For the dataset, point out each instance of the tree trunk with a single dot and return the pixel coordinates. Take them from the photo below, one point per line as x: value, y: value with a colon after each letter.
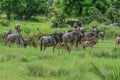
x: 8, y: 16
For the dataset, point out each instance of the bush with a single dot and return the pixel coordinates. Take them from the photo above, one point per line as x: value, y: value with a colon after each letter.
x: 37, y: 70
x: 63, y: 25
x: 101, y: 54
x: 4, y: 22
x: 113, y: 14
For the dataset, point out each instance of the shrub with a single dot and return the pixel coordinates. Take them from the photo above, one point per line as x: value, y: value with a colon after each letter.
x: 101, y: 54
x: 114, y: 75
x: 4, y: 22
x: 12, y: 57
x: 63, y: 25
x: 36, y: 70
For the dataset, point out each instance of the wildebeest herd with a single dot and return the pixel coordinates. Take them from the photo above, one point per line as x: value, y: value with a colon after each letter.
x: 67, y: 40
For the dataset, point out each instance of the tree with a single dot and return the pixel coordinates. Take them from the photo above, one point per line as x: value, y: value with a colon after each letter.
x: 81, y: 7
x: 113, y: 13
x: 116, y: 4
x: 23, y: 8
x: 103, y: 5
x: 6, y: 6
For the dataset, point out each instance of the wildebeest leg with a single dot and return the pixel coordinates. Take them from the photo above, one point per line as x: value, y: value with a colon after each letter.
x: 45, y: 47
x: 41, y: 47
x: 68, y: 49
x: 31, y: 43
x: 9, y: 43
x: 75, y: 43
x: 18, y: 44
x: 6, y: 43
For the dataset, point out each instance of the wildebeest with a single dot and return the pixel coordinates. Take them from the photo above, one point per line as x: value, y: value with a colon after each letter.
x: 50, y: 40
x: 15, y: 38
x: 89, y: 43
x: 30, y: 42
x: 72, y: 37
x: 6, y: 33
x: 117, y: 40
x: 65, y: 46
x: 93, y: 32
x: 17, y: 27
x: 47, y: 41
x: 88, y: 38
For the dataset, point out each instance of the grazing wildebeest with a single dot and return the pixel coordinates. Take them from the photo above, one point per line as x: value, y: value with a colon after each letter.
x: 65, y: 46
x: 117, y: 41
x: 93, y: 32
x: 30, y: 42
x: 102, y: 35
x: 17, y: 27
x: 6, y: 33
x: 89, y: 43
x: 15, y: 38
x: 47, y: 41
x: 50, y: 40
x: 72, y: 37
x: 88, y: 38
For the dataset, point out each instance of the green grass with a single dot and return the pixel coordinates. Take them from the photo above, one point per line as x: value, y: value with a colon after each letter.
x: 33, y: 64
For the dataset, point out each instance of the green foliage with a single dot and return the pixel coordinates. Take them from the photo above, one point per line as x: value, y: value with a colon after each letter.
x: 24, y: 9
x: 116, y: 52
x: 114, y: 75
x: 4, y: 22
x: 97, y: 71
x: 33, y: 64
x: 81, y: 7
x: 113, y: 14
x: 90, y: 10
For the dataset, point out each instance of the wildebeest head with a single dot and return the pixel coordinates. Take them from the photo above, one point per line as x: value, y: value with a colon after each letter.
x: 17, y: 27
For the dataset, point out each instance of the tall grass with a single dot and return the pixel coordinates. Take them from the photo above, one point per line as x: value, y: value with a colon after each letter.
x: 114, y: 75
x: 33, y: 64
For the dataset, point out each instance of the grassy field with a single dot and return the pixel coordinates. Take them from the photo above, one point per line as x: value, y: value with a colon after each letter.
x: 102, y: 62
